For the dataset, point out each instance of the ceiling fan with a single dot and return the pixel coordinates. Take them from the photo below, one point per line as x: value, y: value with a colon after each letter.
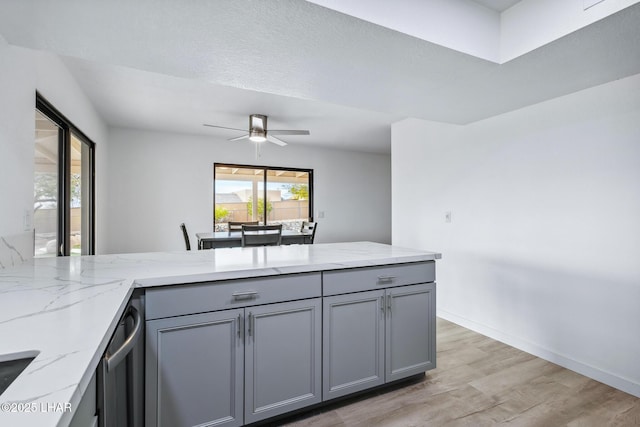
x: 258, y: 131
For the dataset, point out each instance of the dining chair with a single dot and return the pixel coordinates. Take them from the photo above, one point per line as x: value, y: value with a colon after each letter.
x: 186, y: 236
x: 261, y: 235
x: 237, y: 225
x: 309, y: 227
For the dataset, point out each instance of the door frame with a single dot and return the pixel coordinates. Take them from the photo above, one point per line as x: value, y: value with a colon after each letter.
x: 63, y: 247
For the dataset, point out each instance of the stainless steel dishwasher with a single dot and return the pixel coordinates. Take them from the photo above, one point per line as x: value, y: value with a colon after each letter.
x: 121, y: 371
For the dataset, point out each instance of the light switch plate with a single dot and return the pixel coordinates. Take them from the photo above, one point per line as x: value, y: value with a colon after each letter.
x: 26, y: 220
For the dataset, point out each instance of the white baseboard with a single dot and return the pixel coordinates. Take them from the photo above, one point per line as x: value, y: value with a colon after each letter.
x: 543, y: 353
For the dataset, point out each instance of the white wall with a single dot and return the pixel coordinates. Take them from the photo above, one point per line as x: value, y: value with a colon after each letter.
x: 543, y: 247
x: 530, y: 24
x: 158, y: 180
x: 463, y: 25
x: 24, y: 71
x: 17, y: 118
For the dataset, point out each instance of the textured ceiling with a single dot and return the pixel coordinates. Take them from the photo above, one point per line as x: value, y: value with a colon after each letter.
x: 333, y: 70
x: 139, y: 99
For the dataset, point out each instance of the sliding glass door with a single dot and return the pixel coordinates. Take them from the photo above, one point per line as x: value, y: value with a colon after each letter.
x: 45, y: 186
x: 80, y: 197
x: 63, y: 186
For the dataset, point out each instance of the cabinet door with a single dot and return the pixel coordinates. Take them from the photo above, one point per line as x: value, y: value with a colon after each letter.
x: 410, y: 330
x: 282, y: 358
x: 353, y: 343
x: 194, y: 370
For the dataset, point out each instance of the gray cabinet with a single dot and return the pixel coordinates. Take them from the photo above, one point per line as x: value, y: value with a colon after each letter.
x: 410, y: 331
x: 353, y: 329
x: 231, y: 367
x: 374, y: 337
x: 378, y: 277
x: 236, y: 352
x: 282, y: 358
x: 194, y: 370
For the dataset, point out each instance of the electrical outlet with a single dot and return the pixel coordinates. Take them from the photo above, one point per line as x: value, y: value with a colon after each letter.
x: 447, y: 216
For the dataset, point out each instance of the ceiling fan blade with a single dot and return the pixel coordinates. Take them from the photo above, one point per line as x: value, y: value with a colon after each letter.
x: 276, y: 140
x: 224, y: 127
x: 239, y: 138
x: 288, y: 132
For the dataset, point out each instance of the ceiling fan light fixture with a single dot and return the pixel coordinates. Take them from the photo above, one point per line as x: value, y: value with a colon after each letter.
x: 257, y: 136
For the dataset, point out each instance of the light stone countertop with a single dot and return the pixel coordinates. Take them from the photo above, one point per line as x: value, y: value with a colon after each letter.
x: 66, y: 309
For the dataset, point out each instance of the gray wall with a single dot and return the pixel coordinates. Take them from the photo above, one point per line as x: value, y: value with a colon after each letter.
x: 158, y: 180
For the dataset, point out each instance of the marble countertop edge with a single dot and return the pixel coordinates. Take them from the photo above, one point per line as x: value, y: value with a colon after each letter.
x: 270, y: 271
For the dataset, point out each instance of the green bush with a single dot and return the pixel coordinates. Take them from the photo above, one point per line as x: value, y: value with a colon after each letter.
x: 221, y: 214
x: 260, y: 208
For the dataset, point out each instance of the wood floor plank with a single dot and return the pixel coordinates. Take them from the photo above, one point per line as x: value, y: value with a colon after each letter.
x: 482, y: 382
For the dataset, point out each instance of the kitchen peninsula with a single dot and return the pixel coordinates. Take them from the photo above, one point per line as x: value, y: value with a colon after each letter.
x: 64, y: 311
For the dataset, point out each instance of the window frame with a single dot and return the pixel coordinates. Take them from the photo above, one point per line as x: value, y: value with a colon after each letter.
x: 265, y: 169
x: 67, y: 129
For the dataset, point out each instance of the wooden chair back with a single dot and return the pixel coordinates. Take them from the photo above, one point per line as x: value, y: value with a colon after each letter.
x: 237, y: 225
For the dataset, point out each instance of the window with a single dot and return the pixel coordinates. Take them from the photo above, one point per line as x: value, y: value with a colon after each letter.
x: 240, y: 193
x: 63, y: 186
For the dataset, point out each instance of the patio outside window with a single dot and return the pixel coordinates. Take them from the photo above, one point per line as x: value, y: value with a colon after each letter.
x: 240, y: 193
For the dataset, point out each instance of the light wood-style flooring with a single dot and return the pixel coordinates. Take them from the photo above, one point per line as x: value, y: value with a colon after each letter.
x: 482, y: 382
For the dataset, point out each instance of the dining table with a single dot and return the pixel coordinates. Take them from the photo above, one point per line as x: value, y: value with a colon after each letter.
x: 231, y: 239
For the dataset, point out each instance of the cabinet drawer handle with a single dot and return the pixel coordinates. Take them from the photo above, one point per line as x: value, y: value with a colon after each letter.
x: 244, y: 295
x: 386, y: 278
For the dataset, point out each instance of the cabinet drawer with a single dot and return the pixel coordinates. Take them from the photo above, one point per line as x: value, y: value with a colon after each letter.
x: 210, y: 296
x: 367, y: 278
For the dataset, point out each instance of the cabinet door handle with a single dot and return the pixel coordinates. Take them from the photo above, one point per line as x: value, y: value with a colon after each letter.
x: 386, y: 279
x: 382, y: 303
x: 244, y: 295
x: 389, y: 303
x: 250, y: 323
x: 240, y: 325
